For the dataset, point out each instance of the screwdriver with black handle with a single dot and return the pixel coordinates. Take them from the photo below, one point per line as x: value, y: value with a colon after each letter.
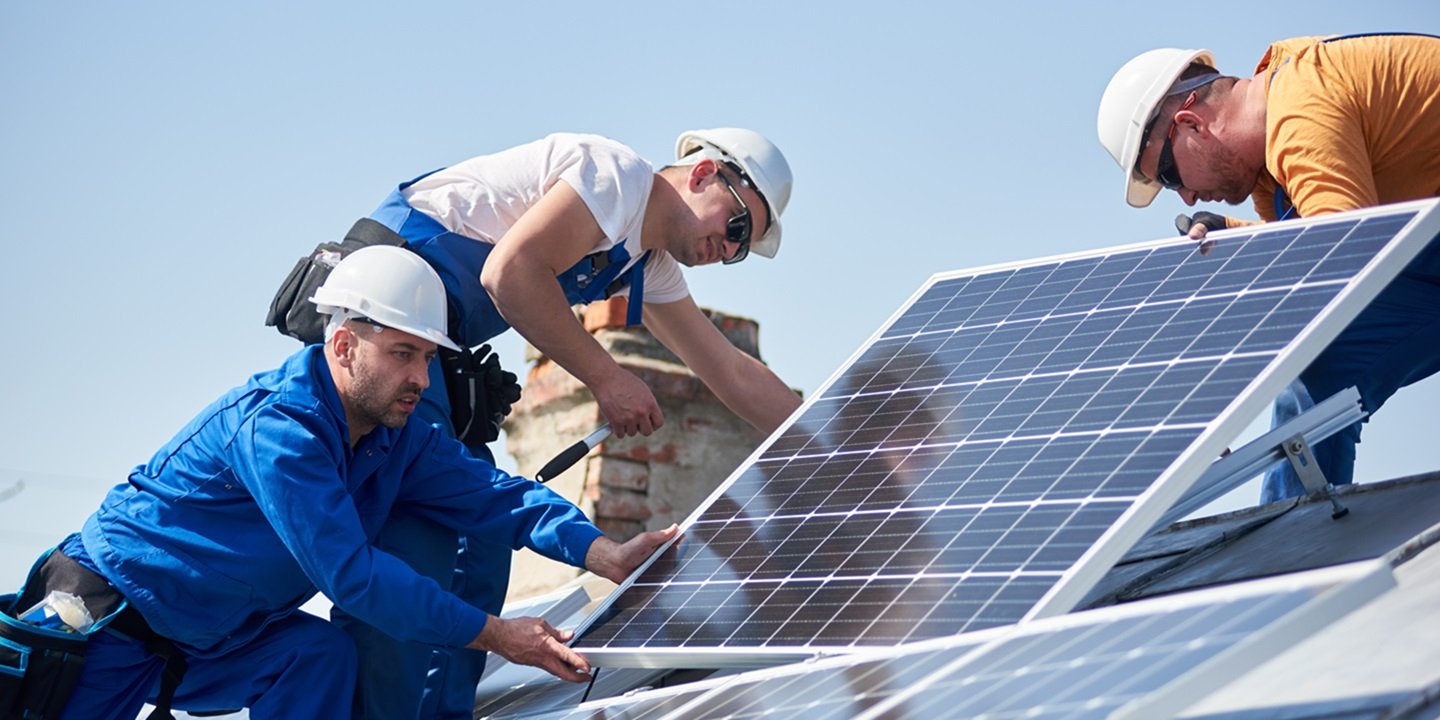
x: 571, y: 455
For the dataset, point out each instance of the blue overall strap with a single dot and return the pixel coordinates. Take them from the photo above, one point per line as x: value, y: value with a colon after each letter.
x: 615, y: 276
x: 1380, y: 34
x: 635, y: 310
x: 1283, y: 207
x: 606, y: 281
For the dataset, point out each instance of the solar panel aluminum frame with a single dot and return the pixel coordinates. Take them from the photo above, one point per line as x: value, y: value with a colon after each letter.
x: 1340, y: 591
x: 1337, y: 591
x: 625, y: 706
x: 1171, y: 485
x: 708, y: 687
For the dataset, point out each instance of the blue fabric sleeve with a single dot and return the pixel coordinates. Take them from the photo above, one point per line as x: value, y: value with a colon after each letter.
x: 290, y: 460
x: 450, y: 486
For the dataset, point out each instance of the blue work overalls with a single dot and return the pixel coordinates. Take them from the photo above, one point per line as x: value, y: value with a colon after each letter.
x: 398, y: 679
x: 254, y: 505
x: 1395, y: 341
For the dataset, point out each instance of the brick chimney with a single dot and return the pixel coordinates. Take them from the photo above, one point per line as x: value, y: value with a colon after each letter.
x: 638, y: 483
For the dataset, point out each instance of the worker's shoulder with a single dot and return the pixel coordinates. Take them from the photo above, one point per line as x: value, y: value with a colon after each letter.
x: 299, y: 386
x: 1345, y: 49
x: 1282, y: 51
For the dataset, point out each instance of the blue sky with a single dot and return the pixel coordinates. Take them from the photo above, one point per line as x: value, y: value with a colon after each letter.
x: 162, y: 164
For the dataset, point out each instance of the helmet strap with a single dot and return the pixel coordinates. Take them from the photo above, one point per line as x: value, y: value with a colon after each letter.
x: 1185, y: 86
x: 339, y: 317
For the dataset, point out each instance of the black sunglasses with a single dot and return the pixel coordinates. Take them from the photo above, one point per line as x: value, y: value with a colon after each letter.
x: 740, y: 226
x: 1166, y: 173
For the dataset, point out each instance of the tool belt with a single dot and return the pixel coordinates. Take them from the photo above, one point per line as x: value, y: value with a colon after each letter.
x: 291, y: 311
x: 40, y: 667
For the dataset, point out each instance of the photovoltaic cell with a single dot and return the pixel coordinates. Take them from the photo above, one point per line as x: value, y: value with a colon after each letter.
x: 1148, y: 659
x: 975, y: 451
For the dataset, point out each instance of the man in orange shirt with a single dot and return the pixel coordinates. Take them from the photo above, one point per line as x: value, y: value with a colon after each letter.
x: 1324, y: 125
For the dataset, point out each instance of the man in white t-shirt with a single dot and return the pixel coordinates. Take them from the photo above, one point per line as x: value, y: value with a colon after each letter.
x: 521, y: 235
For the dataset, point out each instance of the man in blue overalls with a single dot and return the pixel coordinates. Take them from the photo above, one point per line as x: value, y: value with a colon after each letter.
x: 519, y: 237
x: 1323, y: 125
x: 278, y: 489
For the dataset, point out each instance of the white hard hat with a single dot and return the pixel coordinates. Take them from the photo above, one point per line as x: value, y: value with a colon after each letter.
x: 1130, y: 101
x: 763, y: 164
x: 391, y: 286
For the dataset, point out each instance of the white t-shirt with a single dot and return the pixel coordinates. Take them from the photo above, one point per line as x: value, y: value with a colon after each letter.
x: 481, y: 198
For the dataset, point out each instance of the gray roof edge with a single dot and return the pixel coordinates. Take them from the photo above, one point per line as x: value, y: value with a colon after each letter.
x: 1187, y: 544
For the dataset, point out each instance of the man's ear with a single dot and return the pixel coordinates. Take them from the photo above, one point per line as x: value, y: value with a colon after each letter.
x: 345, y: 345
x: 700, y: 172
x: 1188, y: 119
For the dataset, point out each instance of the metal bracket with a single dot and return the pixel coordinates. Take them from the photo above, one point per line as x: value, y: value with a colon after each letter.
x: 1303, y: 461
x: 1328, y: 417
x: 1297, y: 451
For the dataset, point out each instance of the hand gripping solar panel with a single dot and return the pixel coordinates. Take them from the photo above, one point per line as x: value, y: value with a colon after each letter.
x: 1000, y: 443
x: 1146, y: 659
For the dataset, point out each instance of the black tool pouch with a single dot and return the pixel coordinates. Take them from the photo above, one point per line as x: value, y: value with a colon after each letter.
x: 470, y: 412
x: 291, y: 311
x: 39, y: 667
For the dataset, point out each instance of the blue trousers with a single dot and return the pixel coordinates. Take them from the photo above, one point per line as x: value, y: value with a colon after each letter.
x: 402, y: 680
x: 300, y: 667
x: 1392, y: 343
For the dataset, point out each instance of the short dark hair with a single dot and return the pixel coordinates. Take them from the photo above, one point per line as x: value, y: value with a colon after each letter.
x: 1199, y: 69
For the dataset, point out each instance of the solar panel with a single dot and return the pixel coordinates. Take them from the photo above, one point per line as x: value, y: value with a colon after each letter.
x: 829, y: 690
x: 999, y: 444
x: 1146, y: 659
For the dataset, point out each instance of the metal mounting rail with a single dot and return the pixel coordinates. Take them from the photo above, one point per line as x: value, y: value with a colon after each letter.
x: 1328, y: 417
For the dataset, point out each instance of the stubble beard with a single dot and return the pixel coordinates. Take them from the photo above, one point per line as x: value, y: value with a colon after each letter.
x: 1237, y: 177
x: 370, y: 400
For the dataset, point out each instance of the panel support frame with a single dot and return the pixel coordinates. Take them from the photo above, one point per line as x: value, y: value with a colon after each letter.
x: 1326, y: 418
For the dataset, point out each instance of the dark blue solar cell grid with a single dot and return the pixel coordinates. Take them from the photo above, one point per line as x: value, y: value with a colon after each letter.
x: 976, y: 449
x: 760, y: 614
